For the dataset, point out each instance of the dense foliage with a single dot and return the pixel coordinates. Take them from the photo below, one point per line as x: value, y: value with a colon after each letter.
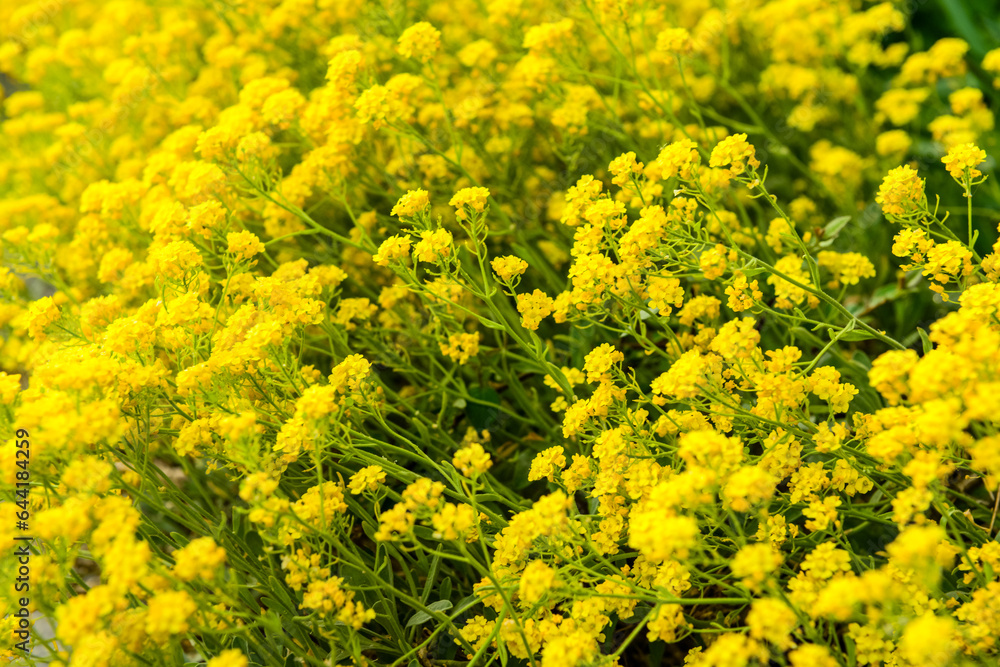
x: 499, y: 332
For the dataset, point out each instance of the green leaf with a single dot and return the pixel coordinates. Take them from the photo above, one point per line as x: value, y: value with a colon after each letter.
x: 369, y: 530
x: 965, y: 24
x: 884, y: 294
x: 862, y: 361
x: 539, y: 346
x: 221, y: 528
x: 928, y: 345
x: 483, y: 416
x: 490, y: 324
x: 468, y: 601
x: 385, y: 615
x: 431, y: 576
x: 753, y: 271
x: 656, y: 651
x: 444, y: 589
x: 522, y: 466
x: 423, y: 617
x: 278, y: 589
x: 807, y: 336
x: 424, y: 532
x: 855, y: 335
x: 834, y: 227
x: 254, y: 544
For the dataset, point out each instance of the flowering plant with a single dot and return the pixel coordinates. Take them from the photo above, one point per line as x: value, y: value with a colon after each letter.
x: 449, y: 333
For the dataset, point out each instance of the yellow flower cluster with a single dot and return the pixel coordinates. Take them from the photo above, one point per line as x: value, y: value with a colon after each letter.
x: 337, y: 332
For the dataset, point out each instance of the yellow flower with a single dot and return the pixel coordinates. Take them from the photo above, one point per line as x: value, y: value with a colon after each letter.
x: 472, y: 460
x: 658, y: 536
x: 476, y: 631
x: 10, y: 385
x: 244, y: 245
x: 713, y: 262
x: 393, y: 249
x: 812, y: 655
x: 772, y: 620
x: 413, y: 202
x: 455, y: 522
x: 468, y: 200
x: 420, y: 41
x: 378, y: 106
x: 748, y: 486
x: 674, y: 40
x: 677, y: 159
x: 254, y: 145
x: 570, y: 649
x: 113, y: 263
x: 848, y: 268
x: 229, y: 658
x: 547, y: 463
x: 664, y: 294
x: 433, y: 246
x: 536, y: 580
x: 734, y: 150
x: 329, y: 598
x: 736, y: 339
x: 461, y: 347
x: 930, y: 640
x: 991, y: 63
x: 893, y: 143
x: 175, y: 259
x: 961, y: 162
x: 624, y: 168
x: 203, y: 218
x: 742, y: 293
x: 508, y: 267
x: 666, y: 620
x: 901, y: 106
x: 200, y: 559
x: 754, y: 563
x: 534, y: 308
x: 351, y: 310
x: 822, y: 513
x: 41, y: 313
x: 366, y: 479
x: 547, y: 35
x: 342, y: 70
x: 600, y: 361
x: 169, y: 614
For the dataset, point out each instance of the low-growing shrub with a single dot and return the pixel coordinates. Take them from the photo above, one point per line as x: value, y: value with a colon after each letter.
x: 451, y: 333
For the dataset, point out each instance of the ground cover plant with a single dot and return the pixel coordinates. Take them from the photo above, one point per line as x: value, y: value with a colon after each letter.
x: 505, y: 332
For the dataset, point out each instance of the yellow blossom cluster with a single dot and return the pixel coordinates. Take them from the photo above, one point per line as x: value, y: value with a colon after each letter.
x: 556, y: 334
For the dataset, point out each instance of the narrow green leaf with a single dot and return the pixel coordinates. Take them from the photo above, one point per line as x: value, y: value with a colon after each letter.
x: 444, y: 590
x: 856, y: 335
x: 278, y: 588
x: 431, y: 576
x: 928, y: 345
x: 479, y: 415
x: 423, y: 617
x: 834, y: 227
